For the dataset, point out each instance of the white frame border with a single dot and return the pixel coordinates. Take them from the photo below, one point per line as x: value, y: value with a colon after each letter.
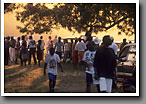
x: 70, y: 94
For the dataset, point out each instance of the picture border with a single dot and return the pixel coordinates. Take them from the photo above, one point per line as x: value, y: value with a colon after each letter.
x: 70, y: 94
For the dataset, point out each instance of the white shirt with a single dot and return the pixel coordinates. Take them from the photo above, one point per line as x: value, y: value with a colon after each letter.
x: 48, y: 43
x: 89, y: 58
x: 114, y: 47
x: 31, y: 43
x: 52, y: 63
x: 80, y: 46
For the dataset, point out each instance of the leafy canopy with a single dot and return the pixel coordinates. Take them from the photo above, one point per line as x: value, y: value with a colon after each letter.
x: 78, y: 17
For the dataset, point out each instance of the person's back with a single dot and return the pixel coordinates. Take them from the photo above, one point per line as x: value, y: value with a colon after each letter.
x: 80, y: 46
x: 123, y: 44
x: 105, y: 64
x: 12, y: 43
x: 59, y: 46
x: 114, y: 47
x: 31, y: 43
x: 105, y: 61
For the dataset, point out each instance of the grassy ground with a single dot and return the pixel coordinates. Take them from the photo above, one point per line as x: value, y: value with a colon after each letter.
x: 30, y: 79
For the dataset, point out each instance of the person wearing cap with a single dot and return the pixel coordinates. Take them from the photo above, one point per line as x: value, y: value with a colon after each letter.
x: 97, y: 42
x: 104, y: 65
x: 12, y: 49
x: 114, y: 46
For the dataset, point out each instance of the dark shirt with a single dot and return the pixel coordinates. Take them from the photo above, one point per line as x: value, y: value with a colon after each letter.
x: 12, y: 43
x: 105, y: 62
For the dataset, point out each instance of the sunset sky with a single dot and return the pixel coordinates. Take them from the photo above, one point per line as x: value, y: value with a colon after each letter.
x: 10, y: 24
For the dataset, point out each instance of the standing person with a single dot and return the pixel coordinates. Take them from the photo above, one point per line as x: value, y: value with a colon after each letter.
x: 42, y: 45
x: 32, y: 49
x: 6, y: 50
x: 24, y: 54
x: 12, y: 49
x: 66, y: 50
x: 48, y: 43
x: 87, y: 61
x: 51, y: 61
x: 59, y: 46
x: 22, y: 43
x: 74, y: 54
x: 39, y: 52
x: 51, y: 44
x: 123, y: 44
x: 114, y: 46
x: 17, y: 49
x: 80, y: 47
x: 70, y: 53
x: 104, y: 65
x: 54, y: 41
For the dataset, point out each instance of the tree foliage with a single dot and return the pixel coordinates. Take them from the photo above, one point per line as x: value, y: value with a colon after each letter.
x: 80, y: 17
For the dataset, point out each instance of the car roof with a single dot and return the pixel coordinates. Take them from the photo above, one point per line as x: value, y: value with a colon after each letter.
x: 130, y: 44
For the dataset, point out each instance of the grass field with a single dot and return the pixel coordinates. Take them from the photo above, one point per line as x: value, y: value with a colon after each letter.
x: 30, y: 79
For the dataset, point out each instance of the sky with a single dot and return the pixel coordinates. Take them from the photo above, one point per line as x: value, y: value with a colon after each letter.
x: 10, y: 29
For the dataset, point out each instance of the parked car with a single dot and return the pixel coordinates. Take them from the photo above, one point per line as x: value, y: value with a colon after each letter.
x: 126, y: 68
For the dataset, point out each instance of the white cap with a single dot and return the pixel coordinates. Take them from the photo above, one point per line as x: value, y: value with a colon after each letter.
x: 97, y: 41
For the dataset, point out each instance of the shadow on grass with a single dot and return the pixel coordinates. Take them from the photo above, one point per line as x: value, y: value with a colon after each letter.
x: 37, y: 85
x: 15, y: 76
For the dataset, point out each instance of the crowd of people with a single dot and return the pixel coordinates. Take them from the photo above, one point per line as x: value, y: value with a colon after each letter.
x: 98, y: 58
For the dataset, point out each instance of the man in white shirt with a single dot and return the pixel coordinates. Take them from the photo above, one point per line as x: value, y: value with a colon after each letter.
x: 51, y: 61
x: 48, y: 43
x: 113, y: 46
x: 80, y: 47
x: 32, y: 49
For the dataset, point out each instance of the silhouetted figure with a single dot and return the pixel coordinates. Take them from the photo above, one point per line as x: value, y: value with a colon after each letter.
x: 17, y: 50
x: 39, y: 52
x: 6, y: 50
x: 22, y: 43
x: 24, y: 54
x: 123, y: 44
x: 12, y: 50
x: 104, y: 64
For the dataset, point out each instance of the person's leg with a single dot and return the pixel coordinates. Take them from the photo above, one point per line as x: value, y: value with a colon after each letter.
x: 10, y: 54
x: 89, y: 82
x: 39, y: 62
x: 33, y: 53
x: 50, y: 85
x: 65, y: 56
x: 102, y: 84
x: 29, y: 56
x: 14, y: 54
x: 109, y: 83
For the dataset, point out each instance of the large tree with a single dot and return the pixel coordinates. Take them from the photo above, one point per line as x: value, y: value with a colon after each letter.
x: 78, y: 17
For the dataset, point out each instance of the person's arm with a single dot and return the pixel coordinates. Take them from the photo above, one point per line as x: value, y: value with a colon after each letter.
x: 45, y: 66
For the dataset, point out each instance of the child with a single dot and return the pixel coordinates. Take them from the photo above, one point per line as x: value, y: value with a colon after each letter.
x: 39, y: 52
x: 24, y: 54
x: 52, y: 59
x: 87, y: 61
